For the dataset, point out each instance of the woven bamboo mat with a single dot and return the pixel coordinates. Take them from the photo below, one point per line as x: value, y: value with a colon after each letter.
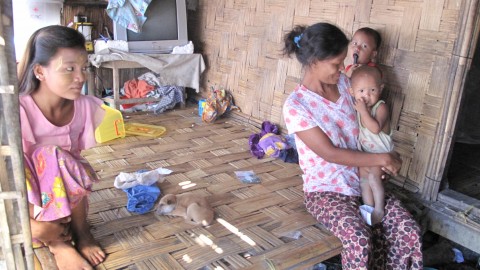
x: 257, y: 226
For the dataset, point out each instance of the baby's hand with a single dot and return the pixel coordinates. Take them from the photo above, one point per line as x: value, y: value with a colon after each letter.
x: 351, y: 69
x: 51, y: 231
x: 360, y: 105
x: 355, y: 66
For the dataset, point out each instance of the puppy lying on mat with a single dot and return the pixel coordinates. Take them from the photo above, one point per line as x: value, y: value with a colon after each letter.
x: 193, y: 207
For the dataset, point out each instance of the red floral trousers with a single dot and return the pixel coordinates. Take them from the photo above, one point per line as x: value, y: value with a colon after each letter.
x: 392, y: 244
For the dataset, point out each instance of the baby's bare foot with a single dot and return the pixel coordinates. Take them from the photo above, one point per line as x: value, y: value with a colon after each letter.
x: 67, y: 257
x: 89, y: 249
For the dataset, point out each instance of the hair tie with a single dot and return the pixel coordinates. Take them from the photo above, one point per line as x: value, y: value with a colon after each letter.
x: 297, y: 40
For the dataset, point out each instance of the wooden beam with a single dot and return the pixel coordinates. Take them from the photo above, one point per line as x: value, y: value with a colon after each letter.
x: 454, y: 225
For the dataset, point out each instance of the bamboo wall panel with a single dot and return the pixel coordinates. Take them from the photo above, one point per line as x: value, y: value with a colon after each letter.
x: 241, y: 41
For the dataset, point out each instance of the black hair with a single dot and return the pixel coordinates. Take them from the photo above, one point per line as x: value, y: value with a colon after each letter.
x: 372, y: 33
x: 41, y: 47
x: 319, y: 41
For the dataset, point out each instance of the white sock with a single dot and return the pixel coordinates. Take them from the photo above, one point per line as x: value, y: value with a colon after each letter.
x: 366, y: 212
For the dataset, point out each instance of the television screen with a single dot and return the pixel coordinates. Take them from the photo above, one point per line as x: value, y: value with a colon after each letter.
x: 161, y: 23
x: 165, y: 28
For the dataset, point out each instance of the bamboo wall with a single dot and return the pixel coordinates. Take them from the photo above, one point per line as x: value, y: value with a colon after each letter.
x: 241, y: 41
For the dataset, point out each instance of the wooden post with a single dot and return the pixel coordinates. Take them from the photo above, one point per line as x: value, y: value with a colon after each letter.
x: 17, y: 234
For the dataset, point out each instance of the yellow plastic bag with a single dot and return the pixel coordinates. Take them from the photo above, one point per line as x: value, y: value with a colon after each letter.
x: 218, y: 103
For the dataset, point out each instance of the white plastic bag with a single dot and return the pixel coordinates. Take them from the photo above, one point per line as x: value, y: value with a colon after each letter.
x: 128, y: 180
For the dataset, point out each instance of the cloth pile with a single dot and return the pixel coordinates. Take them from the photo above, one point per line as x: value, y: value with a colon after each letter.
x: 269, y: 143
x: 142, y: 198
x: 148, y: 85
x: 141, y: 188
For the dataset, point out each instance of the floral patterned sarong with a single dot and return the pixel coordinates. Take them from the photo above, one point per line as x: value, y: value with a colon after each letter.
x: 56, y: 182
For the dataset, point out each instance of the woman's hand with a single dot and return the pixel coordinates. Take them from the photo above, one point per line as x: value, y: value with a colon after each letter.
x: 394, y: 163
x: 51, y: 231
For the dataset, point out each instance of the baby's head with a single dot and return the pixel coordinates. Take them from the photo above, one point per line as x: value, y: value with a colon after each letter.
x: 367, y: 84
x: 365, y: 43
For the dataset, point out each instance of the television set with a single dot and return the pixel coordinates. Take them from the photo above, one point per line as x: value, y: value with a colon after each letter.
x: 165, y: 28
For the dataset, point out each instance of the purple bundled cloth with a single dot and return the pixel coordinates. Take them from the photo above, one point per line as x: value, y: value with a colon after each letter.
x: 255, y: 149
x: 254, y: 139
x: 268, y: 142
x: 268, y: 127
x: 272, y: 144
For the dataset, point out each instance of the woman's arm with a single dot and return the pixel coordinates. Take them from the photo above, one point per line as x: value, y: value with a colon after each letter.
x: 319, y: 143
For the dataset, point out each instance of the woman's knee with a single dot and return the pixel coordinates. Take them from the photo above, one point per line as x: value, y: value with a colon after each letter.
x: 355, y: 231
x: 412, y: 232
x: 401, y: 227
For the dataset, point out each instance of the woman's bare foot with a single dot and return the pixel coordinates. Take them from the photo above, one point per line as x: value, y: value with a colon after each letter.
x: 377, y: 216
x: 88, y: 247
x: 82, y: 236
x: 67, y: 257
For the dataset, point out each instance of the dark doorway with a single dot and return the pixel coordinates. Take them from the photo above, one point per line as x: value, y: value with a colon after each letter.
x: 463, y: 174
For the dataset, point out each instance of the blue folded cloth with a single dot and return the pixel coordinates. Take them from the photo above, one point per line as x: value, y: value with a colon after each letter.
x: 142, y: 198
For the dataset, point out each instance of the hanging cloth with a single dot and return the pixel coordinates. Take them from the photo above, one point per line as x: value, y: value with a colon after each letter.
x: 128, y: 13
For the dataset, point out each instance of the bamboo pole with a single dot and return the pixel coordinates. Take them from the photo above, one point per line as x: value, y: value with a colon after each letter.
x: 7, y: 247
x: 10, y: 105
